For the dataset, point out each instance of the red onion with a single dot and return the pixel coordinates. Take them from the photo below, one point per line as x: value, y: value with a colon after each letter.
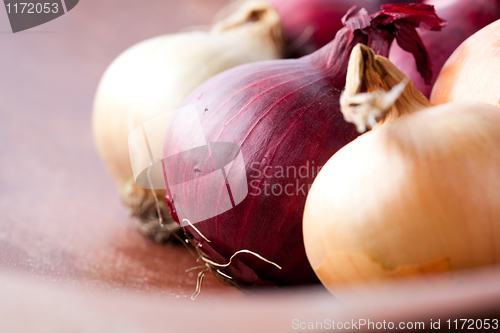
x: 464, y: 17
x: 311, y: 24
x: 259, y: 120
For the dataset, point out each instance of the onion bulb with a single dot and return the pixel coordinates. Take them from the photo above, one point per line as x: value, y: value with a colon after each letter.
x: 279, y: 121
x: 418, y: 194
x: 154, y: 76
x: 472, y: 73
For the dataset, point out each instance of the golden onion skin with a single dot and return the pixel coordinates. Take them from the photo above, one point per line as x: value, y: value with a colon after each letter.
x: 472, y: 72
x: 418, y: 194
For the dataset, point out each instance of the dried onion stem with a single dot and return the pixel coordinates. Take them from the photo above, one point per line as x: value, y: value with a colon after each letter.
x: 390, y: 93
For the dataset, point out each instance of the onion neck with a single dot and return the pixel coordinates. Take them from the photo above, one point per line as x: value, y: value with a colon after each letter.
x: 257, y: 17
x: 333, y: 58
x: 389, y: 92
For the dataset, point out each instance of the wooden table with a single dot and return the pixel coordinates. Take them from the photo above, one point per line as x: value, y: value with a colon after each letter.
x: 71, y: 260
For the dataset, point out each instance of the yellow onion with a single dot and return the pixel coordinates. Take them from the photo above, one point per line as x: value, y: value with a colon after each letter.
x: 472, y: 72
x: 154, y: 76
x: 418, y: 194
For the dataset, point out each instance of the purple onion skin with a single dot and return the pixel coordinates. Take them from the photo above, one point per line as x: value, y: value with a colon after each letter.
x: 281, y: 113
x: 464, y: 18
x: 309, y: 25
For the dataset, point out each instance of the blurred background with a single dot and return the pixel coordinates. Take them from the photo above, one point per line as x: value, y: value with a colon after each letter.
x: 61, y: 216
x: 71, y: 258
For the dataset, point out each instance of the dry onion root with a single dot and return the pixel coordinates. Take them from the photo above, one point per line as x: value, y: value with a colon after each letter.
x: 208, y: 265
x: 420, y: 193
x: 154, y: 76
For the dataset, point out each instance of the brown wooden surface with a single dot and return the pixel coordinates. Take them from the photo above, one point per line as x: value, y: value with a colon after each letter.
x: 60, y: 213
x: 71, y: 259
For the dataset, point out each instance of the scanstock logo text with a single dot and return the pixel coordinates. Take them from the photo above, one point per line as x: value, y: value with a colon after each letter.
x: 28, y: 14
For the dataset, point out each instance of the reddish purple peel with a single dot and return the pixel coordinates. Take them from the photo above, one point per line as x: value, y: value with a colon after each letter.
x: 406, y: 19
x: 463, y: 18
x: 281, y: 114
x: 309, y: 25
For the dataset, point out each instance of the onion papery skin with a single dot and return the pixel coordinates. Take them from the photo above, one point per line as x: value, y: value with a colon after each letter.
x: 472, y: 71
x: 463, y: 18
x: 154, y: 76
x: 419, y: 194
x: 309, y: 25
x: 282, y: 113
